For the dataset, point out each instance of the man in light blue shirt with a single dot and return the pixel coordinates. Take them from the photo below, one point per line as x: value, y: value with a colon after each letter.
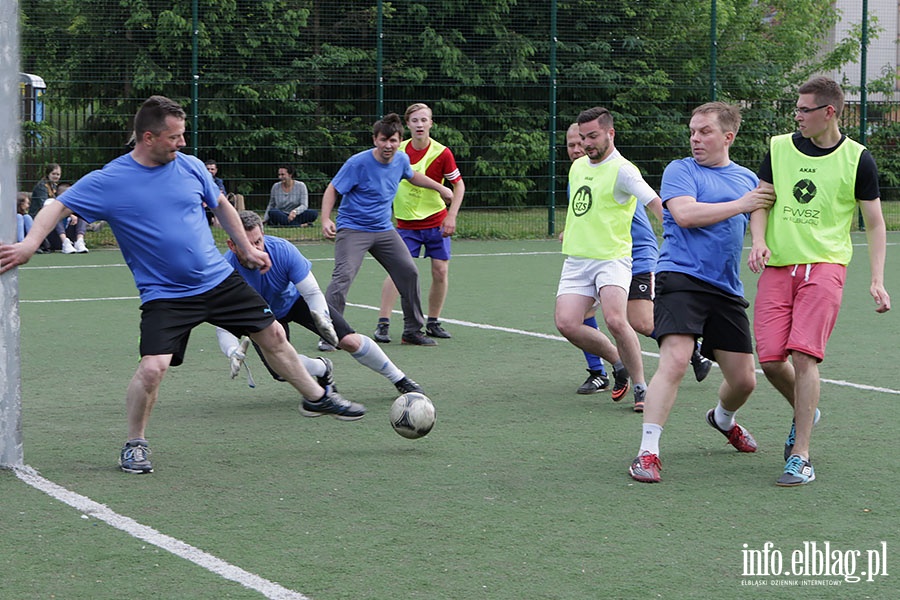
x: 368, y: 182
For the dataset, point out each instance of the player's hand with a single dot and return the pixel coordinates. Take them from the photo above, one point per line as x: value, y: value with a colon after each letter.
x: 13, y: 255
x: 446, y: 194
x: 882, y: 299
x: 763, y: 196
x: 256, y: 259
x: 759, y: 257
x: 448, y: 227
x: 329, y: 230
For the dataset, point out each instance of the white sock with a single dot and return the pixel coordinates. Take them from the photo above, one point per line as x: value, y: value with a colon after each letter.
x: 371, y: 355
x: 724, y: 418
x: 314, y: 366
x: 650, y: 438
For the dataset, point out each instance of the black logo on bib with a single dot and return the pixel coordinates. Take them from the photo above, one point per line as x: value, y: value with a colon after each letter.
x: 581, y: 201
x: 804, y: 191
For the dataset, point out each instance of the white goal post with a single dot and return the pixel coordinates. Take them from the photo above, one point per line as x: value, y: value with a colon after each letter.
x: 11, y: 445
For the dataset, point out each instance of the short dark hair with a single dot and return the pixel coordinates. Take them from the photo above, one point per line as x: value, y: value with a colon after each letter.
x: 388, y: 126
x: 826, y: 91
x: 602, y: 115
x: 151, y: 116
x: 250, y: 220
x: 287, y: 168
x: 211, y: 161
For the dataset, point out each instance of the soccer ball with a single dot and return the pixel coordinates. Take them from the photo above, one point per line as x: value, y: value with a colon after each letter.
x: 412, y: 415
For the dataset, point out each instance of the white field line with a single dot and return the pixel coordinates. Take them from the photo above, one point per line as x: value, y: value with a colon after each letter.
x: 180, y: 549
x: 215, y: 565
x: 558, y: 338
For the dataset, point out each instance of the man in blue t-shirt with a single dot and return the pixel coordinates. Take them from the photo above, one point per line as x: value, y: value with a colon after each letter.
x: 698, y: 289
x: 368, y: 182
x: 153, y: 200
x: 294, y: 295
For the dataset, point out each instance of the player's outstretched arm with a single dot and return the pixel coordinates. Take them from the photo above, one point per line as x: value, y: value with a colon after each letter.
x: 427, y: 182
x: 13, y: 255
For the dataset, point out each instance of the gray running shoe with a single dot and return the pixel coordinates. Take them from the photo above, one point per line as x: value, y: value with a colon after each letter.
x: 434, y: 329
x: 382, y: 332
x: 134, y: 457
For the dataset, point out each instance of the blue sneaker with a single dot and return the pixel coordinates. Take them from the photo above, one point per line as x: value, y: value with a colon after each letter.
x: 333, y: 404
x: 789, y: 442
x: 134, y: 457
x: 796, y: 472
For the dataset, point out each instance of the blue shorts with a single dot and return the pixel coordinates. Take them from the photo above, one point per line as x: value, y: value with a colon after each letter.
x: 436, y: 245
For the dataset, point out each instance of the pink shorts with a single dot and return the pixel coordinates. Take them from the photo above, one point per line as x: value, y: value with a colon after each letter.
x: 796, y: 308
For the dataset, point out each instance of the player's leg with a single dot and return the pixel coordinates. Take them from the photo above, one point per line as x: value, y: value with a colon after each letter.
x: 165, y: 329
x: 727, y: 333
x: 569, y: 319
x: 597, y: 380
x: 437, y: 248
x: 614, y: 305
x: 350, y: 248
x: 389, y: 295
x: 674, y: 354
x: 393, y: 255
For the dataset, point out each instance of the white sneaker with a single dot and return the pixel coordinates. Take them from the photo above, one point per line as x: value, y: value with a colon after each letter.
x: 80, y: 248
x: 237, y: 356
x: 67, y: 247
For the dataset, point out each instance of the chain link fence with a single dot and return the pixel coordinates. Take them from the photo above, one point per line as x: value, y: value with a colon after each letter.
x: 269, y: 83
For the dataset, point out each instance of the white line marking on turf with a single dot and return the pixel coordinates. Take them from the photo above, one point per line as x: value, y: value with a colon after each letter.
x: 86, y: 506
x: 546, y: 336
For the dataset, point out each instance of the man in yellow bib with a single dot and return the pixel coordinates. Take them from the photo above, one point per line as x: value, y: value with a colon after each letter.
x: 802, y: 246
x: 604, y: 189
x: 424, y: 220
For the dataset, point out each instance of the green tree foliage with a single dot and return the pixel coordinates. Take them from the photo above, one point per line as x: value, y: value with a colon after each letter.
x: 296, y: 81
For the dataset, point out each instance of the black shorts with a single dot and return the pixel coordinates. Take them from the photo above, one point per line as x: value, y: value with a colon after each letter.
x: 688, y: 306
x: 641, y: 287
x: 233, y: 305
x: 300, y: 314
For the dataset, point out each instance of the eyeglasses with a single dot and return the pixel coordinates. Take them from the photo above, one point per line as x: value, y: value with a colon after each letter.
x: 805, y: 111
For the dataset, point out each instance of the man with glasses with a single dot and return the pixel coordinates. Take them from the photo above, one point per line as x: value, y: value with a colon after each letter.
x: 802, y: 246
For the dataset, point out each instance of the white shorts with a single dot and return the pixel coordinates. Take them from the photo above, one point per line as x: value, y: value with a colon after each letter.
x: 585, y: 276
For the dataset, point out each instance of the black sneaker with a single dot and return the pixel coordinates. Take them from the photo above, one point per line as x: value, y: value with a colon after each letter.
x: 134, y: 457
x: 417, y: 338
x: 324, y: 346
x: 434, y: 329
x: 407, y: 385
x: 333, y: 404
x: 327, y: 379
x: 382, y: 334
x: 639, y: 397
x: 620, y: 385
x: 597, y: 381
x: 701, y: 364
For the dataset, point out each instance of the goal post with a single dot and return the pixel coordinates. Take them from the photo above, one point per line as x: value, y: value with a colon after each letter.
x: 11, y: 444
